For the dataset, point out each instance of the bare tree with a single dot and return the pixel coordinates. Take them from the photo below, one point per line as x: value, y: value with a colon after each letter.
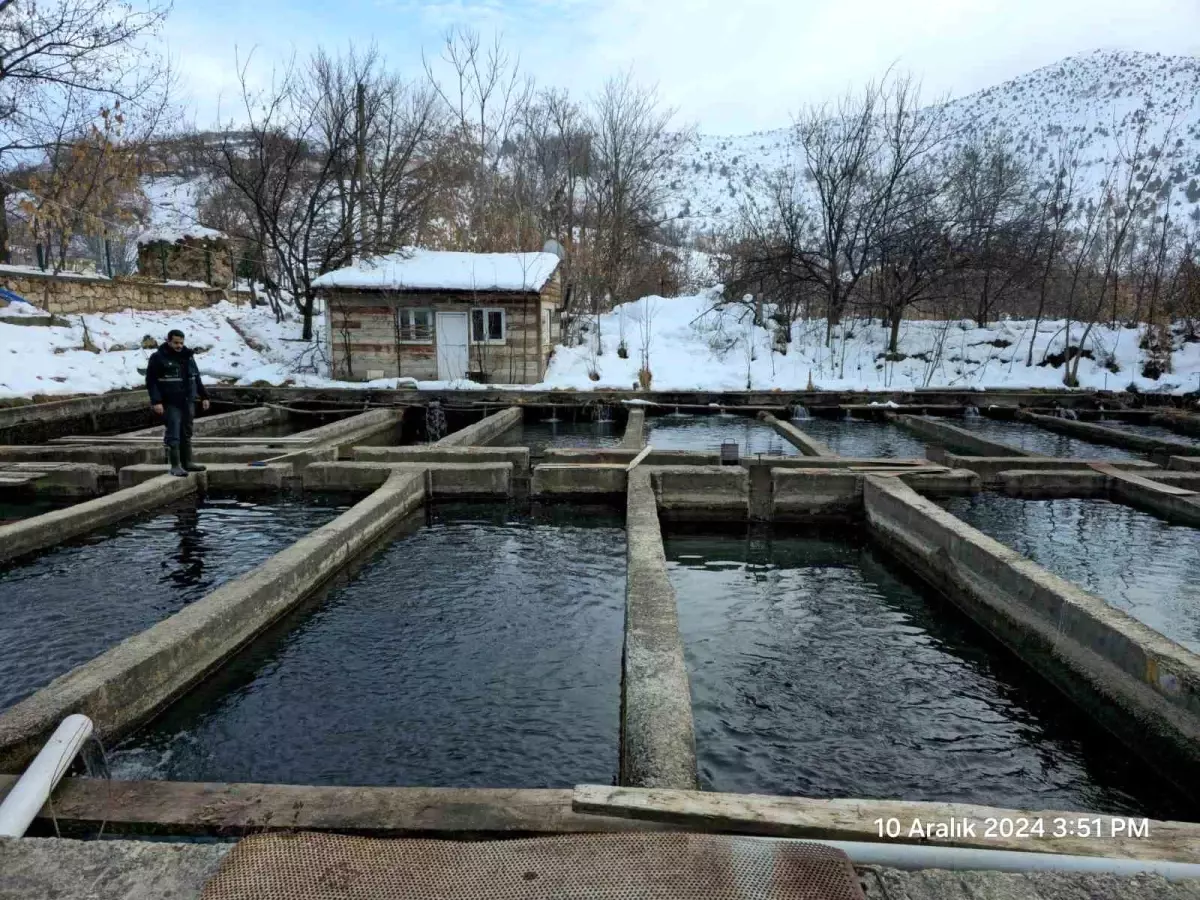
x: 485, y: 95
x: 61, y: 62
x: 1054, y: 203
x: 857, y: 157
x: 321, y: 178
x: 989, y: 189
x: 1124, y: 199
x: 631, y: 149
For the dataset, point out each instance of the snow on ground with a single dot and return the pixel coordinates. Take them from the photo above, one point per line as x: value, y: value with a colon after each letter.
x: 693, y: 345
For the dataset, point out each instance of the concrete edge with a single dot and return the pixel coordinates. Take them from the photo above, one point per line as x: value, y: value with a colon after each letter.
x: 41, y: 532
x: 634, y: 437
x: 130, y: 682
x: 485, y: 431
x: 462, y: 480
x: 658, y: 741
x: 1113, y: 437
x: 950, y: 436
x: 806, y: 445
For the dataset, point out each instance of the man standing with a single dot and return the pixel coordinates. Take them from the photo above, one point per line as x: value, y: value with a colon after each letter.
x: 173, y: 381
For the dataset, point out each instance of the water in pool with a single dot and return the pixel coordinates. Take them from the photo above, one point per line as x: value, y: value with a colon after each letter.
x: 60, y: 608
x: 817, y: 670
x: 1035, y: 439
x: 538, y: 436
x: 482, y: 649
x: 864, y: 439
x: 709, y: 432
x: 1137, y: 562
x: 16, y: 509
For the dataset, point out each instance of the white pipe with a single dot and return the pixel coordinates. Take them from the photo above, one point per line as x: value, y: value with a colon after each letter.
x: 33, y: 789
x: 933, y: 856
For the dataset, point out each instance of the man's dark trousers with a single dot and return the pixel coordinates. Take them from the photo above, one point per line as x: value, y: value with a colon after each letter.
x: 179, y: 417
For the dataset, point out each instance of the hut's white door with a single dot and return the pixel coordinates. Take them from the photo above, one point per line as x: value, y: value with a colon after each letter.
x: 452, y: 351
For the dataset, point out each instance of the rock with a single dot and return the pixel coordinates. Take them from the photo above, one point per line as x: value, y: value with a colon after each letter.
x: 149, y: 343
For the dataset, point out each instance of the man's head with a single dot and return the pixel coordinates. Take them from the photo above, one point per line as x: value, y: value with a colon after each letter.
x: 175, y: 339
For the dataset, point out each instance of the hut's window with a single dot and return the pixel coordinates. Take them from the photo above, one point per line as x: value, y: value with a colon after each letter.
x: 487, y: 326
x: 416, y: 326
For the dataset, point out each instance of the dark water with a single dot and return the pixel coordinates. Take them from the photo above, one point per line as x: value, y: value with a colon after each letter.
x: 708, y: 432
x: 817, y: 671
x: 482, y: 650
x: 537, y: 436
x: 1150, y: 431
x: 1035, y: 439
x: 15, y: 509
x: 861, y: 438
x: 63, y: 607
x: 1137, y: 562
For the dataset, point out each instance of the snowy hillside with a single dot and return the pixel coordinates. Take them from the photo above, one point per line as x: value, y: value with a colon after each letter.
x: 1093, y: 96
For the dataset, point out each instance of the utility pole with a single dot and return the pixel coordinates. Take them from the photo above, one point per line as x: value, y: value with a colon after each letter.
x: 360, y: 164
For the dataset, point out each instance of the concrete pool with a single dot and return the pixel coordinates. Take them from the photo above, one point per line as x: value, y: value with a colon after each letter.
x: 482, y: 649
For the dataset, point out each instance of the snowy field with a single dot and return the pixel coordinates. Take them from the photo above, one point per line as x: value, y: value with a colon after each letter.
x: 693, y: 345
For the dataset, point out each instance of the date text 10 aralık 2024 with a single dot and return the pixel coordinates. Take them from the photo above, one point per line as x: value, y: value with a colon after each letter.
x: 1004, y: 828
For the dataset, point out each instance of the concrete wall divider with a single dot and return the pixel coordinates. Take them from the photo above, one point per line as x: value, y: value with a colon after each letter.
x: 52, y: 528
x: 1134, y: 681
x: 658, y: 741
x: 223, y: 423
x: 993, y: 469
x: 954, y: 438
x: 437, y: 453
x: 1113, y: 437
x: 807, y: 445
x: 486, y: 430
x: 634, y: 437
x: 490, y: 480
x: 129, y: 683
x: 701, y: 492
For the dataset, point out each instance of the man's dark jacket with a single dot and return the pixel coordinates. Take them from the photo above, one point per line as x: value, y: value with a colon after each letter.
x: 173, y: 378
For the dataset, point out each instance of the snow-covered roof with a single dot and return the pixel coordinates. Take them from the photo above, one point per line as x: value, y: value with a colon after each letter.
x: 416, y: 269
x: 174, y: 233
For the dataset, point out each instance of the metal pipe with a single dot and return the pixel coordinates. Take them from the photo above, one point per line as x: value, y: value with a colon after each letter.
x: 33, y: 788
x: 933, y: 856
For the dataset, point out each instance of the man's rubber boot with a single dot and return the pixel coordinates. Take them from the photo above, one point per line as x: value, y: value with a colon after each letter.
x: 173, y: 459
x: 189, y: 465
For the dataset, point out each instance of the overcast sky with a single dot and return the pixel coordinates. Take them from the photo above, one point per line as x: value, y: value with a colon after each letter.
x: 729, y: 66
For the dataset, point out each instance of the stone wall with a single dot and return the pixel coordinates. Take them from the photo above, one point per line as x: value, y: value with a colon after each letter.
x: 61, y: 294
x: 205, y: 260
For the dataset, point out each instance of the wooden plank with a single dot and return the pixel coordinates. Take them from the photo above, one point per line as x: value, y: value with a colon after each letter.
x: 183, y: 807
x: 855, y: 820
x: 1148, y: 484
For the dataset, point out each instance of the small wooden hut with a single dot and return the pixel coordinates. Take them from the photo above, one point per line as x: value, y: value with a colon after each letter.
x: 442, y: 316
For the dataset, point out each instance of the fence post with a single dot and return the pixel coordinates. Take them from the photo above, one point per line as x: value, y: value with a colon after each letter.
x: 208, y: 264
x: 108, y: 257
x: 162, y: 258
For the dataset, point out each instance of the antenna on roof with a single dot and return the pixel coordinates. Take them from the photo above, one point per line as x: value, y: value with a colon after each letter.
x: 553, y: 246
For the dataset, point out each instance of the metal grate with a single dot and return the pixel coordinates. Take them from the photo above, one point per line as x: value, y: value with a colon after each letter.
x: 310, y: 866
